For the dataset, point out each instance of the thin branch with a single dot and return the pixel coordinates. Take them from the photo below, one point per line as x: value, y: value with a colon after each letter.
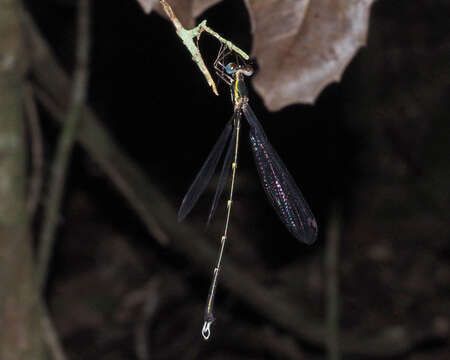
x: 51, y: 335
x: 142, y: 332
x: 332, y: 282
x: 202, y: 27
x: 188, y: 36
x: 35, y: 187
x: 65, y: 144
x: 120, y: 179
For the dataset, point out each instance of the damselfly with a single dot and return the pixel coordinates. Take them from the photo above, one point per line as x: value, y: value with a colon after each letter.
x: 280, y: 187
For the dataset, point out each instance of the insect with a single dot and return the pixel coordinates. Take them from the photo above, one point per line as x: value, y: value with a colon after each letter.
x: 280, y: 187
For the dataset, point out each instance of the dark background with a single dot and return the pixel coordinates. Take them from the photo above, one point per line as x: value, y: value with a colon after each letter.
x: 376, y: 145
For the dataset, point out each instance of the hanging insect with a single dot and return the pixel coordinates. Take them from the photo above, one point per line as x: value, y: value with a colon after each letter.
x: 280, y: 187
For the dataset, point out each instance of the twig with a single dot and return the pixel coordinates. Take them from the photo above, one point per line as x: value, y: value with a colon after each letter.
x: 34, y: 192
x: 187, y: 37
x: 149, y: 308
x: 121, y: 180
x: 332, y: 283
x: 153, y: 207
x: 65, y: 144
x: 50, y: 335
x: 228, y: 43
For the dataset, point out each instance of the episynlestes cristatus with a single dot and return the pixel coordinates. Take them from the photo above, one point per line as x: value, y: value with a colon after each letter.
x: 280, y: 187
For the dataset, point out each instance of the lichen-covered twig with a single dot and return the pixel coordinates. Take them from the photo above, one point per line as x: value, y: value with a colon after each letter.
x: 202, y: 27
x: 188, y: 36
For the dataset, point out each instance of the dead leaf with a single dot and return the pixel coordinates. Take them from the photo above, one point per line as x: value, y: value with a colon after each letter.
x: 147, y: 5
x: 185, y: 10
x: 304, y: 45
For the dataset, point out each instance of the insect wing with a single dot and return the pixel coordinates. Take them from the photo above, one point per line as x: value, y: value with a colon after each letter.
x: 280, y: 187
x: 205, y: 174
x: 225, y: 172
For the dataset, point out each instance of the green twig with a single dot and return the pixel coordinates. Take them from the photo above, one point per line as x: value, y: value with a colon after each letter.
x: 228, y: 43
x: 188, y: 36
x: 65, y: 144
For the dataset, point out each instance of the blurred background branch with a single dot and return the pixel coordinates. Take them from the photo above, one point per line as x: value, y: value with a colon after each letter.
x: 65, y: 143
x: 333, y: 234
x: 20, y: 336
x: 37, y: 150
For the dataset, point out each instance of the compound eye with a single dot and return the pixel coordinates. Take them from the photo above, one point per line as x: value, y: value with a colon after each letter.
x: 248, y: 70
x: 231, y: 68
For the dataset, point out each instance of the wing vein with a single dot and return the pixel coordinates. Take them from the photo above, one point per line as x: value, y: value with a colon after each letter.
x: 279, y: 185
x: 205, y: 174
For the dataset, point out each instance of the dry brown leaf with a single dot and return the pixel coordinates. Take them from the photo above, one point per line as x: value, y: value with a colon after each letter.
x: 148, y: 5
x: 304, y: 45
x: 185, y: 10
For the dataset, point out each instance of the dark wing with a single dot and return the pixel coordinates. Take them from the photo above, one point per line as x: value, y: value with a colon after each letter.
x: 226, y: 167
x: 205, y: 174
x: 280, y: 187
